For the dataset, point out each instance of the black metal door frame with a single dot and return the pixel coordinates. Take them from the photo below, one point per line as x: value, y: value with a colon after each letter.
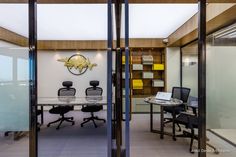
x: 201, y: 76
x: 127, y: 82
x: 118, y: 87
x: 117, y: 132
x: 32, y: 6
x: 33, y: 138
x: 109, y: 78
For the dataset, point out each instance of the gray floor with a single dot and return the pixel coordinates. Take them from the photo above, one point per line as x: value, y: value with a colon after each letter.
x: 74, y: 141
x: 146, y: 144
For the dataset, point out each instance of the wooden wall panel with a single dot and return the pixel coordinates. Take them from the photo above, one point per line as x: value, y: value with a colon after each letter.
x: 71, y: 44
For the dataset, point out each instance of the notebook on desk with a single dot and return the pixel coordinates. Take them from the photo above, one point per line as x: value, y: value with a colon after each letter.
x: 163, y: 96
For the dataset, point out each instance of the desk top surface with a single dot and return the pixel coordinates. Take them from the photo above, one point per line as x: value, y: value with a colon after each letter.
x: 71, y: 100
x: 172, y: 102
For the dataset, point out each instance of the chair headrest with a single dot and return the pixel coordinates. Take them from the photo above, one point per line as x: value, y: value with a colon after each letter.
x: 94, y: 83
x: 67, y: 84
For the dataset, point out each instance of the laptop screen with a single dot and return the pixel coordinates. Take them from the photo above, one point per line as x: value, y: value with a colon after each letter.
x: 163, y: 96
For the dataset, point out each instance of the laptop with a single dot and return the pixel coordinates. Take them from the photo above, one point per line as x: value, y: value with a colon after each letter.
x: 163, y: 96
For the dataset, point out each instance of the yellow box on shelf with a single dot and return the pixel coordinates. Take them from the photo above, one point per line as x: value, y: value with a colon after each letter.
x: 158, y: 67
x: 137, y: 84
x: 130, y: 61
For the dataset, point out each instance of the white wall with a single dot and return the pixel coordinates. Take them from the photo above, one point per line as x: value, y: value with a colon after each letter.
x: 52, y: 73
x: 172, y: 67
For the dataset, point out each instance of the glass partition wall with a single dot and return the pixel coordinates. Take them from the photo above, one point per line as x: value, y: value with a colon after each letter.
x: 220, y: 86
x: 14, y: 95
x: 14, y: 81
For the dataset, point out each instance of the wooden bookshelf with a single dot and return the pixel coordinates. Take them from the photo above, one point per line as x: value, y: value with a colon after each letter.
x: 148, y: 89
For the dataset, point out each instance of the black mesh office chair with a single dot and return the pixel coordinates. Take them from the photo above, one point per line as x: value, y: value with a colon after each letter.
x: 93, y: 91
x: 180, y: 93
x: 39, y: 112
x: 62, y: 110
x: 190, y: 121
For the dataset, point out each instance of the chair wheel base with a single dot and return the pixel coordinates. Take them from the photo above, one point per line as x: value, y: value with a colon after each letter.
x: 217, y: 152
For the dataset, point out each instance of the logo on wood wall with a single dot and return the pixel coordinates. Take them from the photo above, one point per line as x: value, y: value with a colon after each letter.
x: 77, y: 64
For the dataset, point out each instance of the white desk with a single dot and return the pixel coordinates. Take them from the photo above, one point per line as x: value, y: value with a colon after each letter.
x: 162, y: 103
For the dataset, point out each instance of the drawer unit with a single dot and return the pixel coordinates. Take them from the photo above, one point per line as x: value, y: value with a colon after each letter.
x: 158, y: 83
x: 147, y: 75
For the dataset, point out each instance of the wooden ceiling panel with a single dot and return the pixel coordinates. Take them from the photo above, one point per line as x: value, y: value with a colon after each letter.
x: 218, y: 16
x: 14, y: 38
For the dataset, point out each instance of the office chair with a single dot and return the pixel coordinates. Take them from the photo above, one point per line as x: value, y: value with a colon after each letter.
x: 39, y: 112
x: 180, y: 93
x: 62, y: 110
x: 190, y: 121
x: 92, y: 91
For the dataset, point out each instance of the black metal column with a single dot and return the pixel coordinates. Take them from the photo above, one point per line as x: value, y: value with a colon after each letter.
x: 202, y: 77
x: 181, y: 67
x: 32, y: 6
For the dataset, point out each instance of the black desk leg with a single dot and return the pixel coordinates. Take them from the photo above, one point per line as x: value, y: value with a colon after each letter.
x: 42, y: 121
x: 173, y: 128
x: 151, y: 117
x: 162, y: 123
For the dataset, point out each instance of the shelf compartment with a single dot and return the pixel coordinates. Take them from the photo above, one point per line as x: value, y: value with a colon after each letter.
x: 148, y: 75
x: 158, y: 67
x: 123, y: 60
x: 123, y: 75
x: 137, y: 67
x: 158, y: 83
x: 137, y: 84
x: 147, y: 59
